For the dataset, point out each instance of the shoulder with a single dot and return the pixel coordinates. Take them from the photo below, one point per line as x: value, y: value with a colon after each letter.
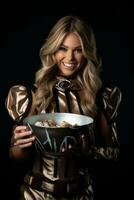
x: 108, y: 100
x: 19, y: 88
x: 18, y: 101
x: 111, y: 93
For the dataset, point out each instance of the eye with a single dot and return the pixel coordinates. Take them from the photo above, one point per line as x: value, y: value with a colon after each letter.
x: 62, y: 49
x: 79, y: 50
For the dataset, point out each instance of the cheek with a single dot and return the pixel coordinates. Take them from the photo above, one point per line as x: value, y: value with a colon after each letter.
x: 58, y: 57
x: 83, y: 62
x: 81, y: 59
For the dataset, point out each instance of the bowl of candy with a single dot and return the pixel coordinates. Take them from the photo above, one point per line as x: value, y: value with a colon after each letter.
x: 61, y: 132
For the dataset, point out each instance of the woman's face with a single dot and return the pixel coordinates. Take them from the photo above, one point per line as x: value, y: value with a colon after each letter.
x: 69, y: 56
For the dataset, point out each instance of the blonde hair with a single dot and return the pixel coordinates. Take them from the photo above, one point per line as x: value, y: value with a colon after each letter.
x: 89, y: 79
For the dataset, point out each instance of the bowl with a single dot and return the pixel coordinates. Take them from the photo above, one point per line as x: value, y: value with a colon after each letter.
x: 59, y: 140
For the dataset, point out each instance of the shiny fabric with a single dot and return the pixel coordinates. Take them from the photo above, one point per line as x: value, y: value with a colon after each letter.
x: 67, y: 101
x: 30, y: 194
x: 17, y: 101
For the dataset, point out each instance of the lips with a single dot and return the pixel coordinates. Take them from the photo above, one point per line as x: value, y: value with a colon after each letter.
x: 69, y: 65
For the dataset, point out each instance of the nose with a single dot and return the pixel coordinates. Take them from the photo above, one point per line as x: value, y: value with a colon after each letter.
x: 70, y: 55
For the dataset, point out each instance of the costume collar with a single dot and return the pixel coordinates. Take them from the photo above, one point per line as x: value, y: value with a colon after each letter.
x: 66, y: 83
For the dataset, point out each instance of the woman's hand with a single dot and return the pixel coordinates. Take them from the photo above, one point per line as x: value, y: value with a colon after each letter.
x: 22, y: 137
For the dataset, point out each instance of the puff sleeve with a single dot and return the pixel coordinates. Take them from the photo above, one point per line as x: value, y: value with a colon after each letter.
x: 18, y: 102
x: 108, y: 103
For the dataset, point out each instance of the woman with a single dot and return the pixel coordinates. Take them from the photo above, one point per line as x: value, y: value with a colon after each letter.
x: 68, y: 81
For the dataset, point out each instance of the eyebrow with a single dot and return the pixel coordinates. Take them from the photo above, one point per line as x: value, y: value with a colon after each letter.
x: 68, y: 47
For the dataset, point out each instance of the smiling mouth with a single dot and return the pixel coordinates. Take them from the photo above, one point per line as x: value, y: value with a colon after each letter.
x: 69, y: 65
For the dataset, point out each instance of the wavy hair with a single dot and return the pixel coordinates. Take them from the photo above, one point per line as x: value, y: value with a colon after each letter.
x: 89, y: 80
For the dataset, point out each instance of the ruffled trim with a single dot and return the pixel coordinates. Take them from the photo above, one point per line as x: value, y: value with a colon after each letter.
x: 107, y: 153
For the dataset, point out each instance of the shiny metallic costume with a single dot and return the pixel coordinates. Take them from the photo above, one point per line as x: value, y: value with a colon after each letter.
x: 65, y: 175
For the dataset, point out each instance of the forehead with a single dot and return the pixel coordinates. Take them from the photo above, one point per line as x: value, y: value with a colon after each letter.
x: 72, y: 39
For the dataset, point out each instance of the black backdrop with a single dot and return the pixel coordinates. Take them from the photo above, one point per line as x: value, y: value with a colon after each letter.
x: 23, y: 31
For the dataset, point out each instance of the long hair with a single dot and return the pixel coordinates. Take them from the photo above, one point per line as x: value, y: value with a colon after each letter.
x: 89, y: 79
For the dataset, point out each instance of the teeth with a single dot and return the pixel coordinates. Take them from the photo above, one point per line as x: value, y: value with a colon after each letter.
x: 68, y: 65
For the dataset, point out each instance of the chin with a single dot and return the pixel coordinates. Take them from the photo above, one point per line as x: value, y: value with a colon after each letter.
x: 68, y: 73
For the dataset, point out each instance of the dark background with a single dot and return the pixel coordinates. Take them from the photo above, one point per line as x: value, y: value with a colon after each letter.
x: 23, y: 30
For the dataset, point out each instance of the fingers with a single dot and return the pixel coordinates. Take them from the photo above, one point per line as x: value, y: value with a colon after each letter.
x: 22, y: 137
x: 22, y: 143
x: 21, y: 128
x: 21, y: 133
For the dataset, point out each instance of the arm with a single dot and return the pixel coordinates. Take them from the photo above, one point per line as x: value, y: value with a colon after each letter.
x: 107, y: 130
x: 106, y: 134
x: 19, y: 104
